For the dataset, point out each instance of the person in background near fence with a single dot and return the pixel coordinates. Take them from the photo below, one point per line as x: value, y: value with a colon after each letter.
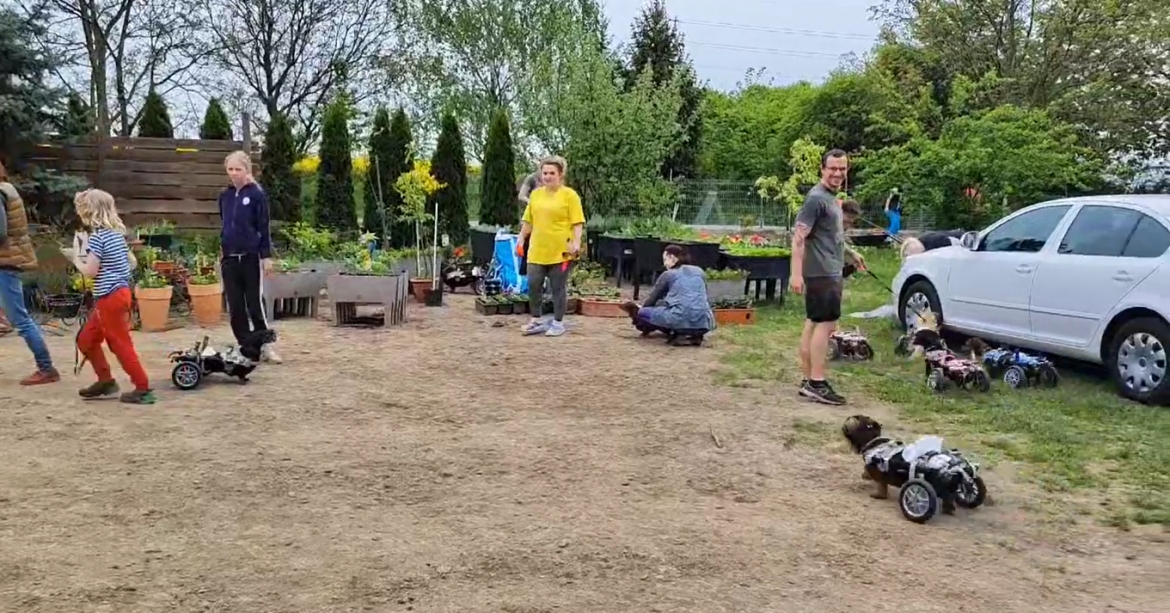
x: 894, y: 213
x: 105, y: 256
x: 818, y: 264
x: 555, y: 221
x: 530, y: 183
x: 678, y: 303
x: 245, y: 250
x: 16, y: 256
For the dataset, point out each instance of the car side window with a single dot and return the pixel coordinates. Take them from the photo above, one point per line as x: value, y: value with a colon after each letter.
x: 1025, y: 233
x: 1099, y: 230
x: 1149, y: 239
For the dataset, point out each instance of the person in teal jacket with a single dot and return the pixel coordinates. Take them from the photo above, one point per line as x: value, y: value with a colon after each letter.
x: 678, y: 304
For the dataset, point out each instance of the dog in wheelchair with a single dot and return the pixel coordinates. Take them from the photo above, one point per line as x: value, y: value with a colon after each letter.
x: 195, y: 364
x: 927, y: 475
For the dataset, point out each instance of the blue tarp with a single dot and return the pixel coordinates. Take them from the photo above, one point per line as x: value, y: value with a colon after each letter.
x: 511, y: 280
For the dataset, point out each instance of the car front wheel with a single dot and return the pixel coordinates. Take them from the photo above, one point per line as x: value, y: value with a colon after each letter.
x: 919, y: 299
x: 1138, y: 360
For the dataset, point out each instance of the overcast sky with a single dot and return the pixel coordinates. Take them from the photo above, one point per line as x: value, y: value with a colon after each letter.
x: 793, y: 39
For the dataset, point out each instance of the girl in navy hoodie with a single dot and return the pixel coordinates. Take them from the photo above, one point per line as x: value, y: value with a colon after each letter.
x: 245, y: 249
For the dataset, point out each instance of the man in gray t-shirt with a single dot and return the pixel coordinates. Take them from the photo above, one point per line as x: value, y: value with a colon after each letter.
x: 818, y: 262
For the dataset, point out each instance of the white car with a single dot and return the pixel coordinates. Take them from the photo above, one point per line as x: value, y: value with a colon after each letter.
x: 1085, y: 278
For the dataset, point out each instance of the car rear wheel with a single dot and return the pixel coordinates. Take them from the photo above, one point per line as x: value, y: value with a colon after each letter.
x: 918, y: 299
x: 1138, y: 356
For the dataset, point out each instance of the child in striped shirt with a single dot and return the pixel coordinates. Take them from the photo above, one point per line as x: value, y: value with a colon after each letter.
x: 108, y: 260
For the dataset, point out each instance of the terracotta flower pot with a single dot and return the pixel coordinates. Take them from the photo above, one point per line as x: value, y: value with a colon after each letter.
x: 735, y: 317
x: 164, y: 268
x: 419, y: 287
x: 206, y: 303
x: 602, y: 308
x: 154, y: 307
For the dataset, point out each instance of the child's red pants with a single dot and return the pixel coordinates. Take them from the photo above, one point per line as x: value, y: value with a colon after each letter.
x: 110, y: 322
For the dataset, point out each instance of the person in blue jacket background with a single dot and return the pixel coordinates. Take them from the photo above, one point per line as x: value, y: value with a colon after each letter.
x: 245, y: 249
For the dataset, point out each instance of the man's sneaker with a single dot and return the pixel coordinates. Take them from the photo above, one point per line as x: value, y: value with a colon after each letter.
x: 101, y: 389
x: 822, y: 392
x: 268, y: 354
x: 41, y: 377
x: 139, y: 397
x: 555, y: 328
x: 535, y: 326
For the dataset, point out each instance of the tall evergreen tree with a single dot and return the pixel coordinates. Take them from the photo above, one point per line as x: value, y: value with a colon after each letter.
x: 77, y: 122
x: 155, y: 121
x: 658, y: 45
x: 26, y: 98
x: 497, y: 197
x: 216, y: 125
x: 379, y: 217
x: 398, y: 159
x: 449, y: 166
x: 279, y: 156
x: 335, y: 208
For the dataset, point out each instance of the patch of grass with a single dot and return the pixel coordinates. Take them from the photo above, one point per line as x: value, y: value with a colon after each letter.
x: 1078, y: 437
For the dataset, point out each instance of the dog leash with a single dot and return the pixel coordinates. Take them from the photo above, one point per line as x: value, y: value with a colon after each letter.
x: 83, y: 316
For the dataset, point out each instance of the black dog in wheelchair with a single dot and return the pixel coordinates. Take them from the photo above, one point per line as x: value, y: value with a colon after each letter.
x: 192, y: 365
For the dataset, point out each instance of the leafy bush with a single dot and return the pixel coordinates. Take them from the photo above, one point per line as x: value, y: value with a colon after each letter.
x: 155, y: 121
x: 216, y: 125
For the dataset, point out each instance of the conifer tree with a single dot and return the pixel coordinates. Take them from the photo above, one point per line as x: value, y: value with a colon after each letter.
x: 279, y: 156
x: 657, y: 45
x: 335, y: 208
x: 497, y: 198
x: 449, y: 167
x: 78, y: 119
x: 155, y: 121
x: 216, y: 125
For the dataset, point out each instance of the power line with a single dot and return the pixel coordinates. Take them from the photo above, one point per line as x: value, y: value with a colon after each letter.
x: 798, y: 32
x: 786, y: 52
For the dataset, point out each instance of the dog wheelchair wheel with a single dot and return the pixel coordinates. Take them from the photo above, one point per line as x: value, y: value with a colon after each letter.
x: 1048, y: 376
x: 937, y: 380
x: 834, y: 351
x: 971, y: 495
x: 980, y: 381
x: 186, y: 376
x: 918, y: 501
x: 863, y: 352
x: 1015, y: 377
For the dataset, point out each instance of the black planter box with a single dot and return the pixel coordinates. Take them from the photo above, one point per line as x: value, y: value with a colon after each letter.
x: 159, y: 241
x: 483, y: 245
x: 591, y: 248
x: 648, y: 255
x: 486, y: 309
x: 703, y: 255
x: 609, y: 247
x: 760, y: 267
x: 868, y: 238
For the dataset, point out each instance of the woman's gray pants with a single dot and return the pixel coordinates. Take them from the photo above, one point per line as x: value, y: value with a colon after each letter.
x: 558, y: 288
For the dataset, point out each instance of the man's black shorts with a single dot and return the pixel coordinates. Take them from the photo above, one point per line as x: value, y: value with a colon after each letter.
x: 822, y: 298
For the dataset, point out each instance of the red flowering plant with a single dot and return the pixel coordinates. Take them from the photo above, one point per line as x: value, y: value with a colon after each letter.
x: 754, y: 245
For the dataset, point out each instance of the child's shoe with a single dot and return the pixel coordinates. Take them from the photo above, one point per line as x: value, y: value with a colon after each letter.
x: 139, y: 397
x: 101, y: 389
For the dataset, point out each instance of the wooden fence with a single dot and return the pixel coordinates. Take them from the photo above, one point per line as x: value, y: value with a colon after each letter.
x: 153, y: 179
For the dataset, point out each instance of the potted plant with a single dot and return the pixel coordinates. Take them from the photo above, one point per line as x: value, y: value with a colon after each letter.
x: 206, y: 293
x: 600, y: 301
x: 153, y: 292
x: 504, y: 305
x: 758, y: 256
x: 160, y: 234
x: 486, y: 305
x: 520, y: 304
x: 416, y: 186
x: 734, y: 311
x: 727, y: 283
x: 314, y: 249
x: 366, y: 280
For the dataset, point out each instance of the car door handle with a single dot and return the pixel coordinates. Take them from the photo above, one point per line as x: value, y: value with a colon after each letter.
x: 1123, y: 277
x: 1023, y: 269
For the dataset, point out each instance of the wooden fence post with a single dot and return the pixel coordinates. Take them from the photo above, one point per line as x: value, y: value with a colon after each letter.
x: 102, y: 143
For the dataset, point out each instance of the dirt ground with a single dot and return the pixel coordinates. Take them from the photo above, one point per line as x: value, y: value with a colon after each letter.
x: 452, y: 465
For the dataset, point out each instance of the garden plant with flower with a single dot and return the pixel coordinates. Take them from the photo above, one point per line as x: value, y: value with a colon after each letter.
x: 416, y: 186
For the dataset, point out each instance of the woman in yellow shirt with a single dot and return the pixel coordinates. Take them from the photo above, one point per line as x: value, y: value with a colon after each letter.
x: 555, y: 221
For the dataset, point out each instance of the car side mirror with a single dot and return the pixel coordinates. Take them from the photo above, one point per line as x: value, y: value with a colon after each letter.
x: 970, y: 240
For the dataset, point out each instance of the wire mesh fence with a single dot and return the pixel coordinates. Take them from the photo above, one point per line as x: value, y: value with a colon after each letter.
x: 714, y: 203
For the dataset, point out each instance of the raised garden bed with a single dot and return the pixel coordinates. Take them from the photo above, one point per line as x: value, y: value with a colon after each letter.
x: 728, y: 283
x: 598, y: 300
x: 294, y: 285
x: 348, y: 291
x: 734, y: 312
